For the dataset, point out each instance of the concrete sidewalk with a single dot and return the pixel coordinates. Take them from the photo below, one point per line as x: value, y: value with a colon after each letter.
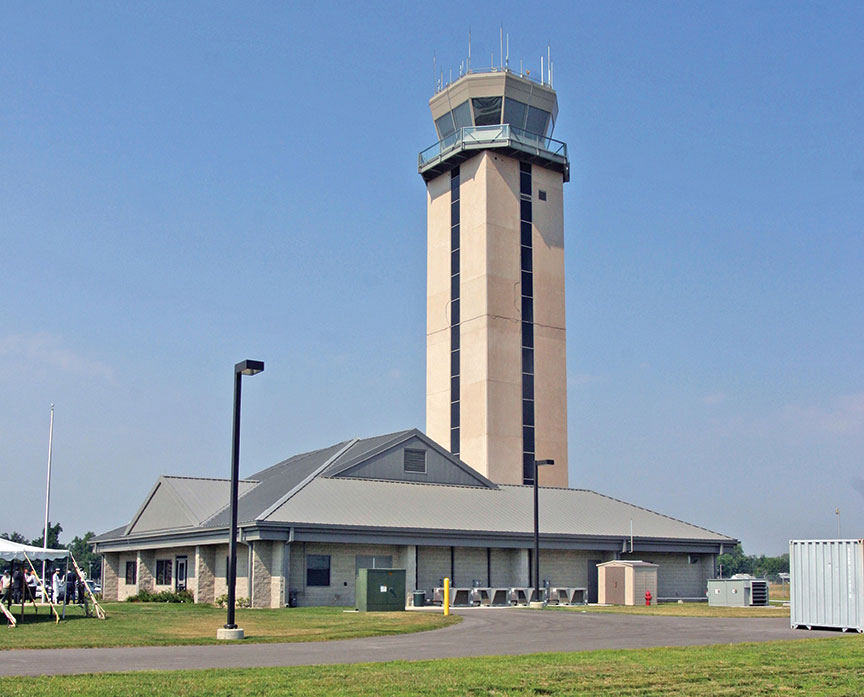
x: 482, y: 632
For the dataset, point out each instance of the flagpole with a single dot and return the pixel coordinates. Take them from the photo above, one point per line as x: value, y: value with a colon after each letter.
x: 47, y: 491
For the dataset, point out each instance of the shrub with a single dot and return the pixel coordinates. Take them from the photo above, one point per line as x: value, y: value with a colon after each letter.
x: 145, y: 596
x: 222, y: 601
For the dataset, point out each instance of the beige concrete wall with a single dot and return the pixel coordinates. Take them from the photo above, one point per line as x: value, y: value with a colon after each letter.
x: 438, y: 311
x: 550, y: 361
x: 490, y: 292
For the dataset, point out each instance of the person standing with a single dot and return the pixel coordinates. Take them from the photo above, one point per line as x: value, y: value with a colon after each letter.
x: 55, y: 586
x: 32, y: 583
x: 70, y: 586
x: 17, y: 585
x: 5, y: 587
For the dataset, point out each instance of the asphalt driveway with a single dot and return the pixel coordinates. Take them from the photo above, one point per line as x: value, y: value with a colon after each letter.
x: 482, y: 632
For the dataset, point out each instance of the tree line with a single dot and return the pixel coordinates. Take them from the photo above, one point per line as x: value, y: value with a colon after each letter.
x: 89, y: 562
x: 736, y: 562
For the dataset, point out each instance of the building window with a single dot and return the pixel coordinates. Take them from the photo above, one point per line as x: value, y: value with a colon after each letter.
x: 131, y: 573
x: 364, y: 561
x: 526, y: 260
x: 318, y: 570
x: 163, y: 572
x: 455, y: 319
x: 414, y: 461
x: 541, y: 194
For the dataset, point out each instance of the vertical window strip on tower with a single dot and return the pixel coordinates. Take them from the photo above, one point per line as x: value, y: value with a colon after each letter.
x: 526, y: 257
x: 455, y: 318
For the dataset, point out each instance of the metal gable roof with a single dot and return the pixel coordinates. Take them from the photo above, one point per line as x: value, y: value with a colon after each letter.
x: 386, y: 504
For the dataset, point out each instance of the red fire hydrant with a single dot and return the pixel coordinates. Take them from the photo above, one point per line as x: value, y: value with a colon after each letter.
x: 647, y: 597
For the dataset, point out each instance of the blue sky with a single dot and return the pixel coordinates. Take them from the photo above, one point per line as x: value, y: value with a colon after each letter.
x: 184, y: 185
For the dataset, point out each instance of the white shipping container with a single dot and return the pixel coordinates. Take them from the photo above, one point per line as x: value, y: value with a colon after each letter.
x: 826, y: 580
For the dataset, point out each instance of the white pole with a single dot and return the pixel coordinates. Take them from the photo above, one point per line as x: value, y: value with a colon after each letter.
x: 631, y: 536
x: 48, y: 491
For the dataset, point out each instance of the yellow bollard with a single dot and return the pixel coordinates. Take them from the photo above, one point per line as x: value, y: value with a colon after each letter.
x: 446, y: 596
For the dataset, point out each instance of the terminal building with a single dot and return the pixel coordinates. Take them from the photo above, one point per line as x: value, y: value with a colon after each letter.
x: 455, y: 501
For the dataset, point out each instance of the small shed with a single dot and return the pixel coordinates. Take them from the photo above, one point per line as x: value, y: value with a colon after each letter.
x: 624, y: 582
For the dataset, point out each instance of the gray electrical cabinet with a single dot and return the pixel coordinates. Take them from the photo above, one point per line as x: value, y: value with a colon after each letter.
x: 379, y: 590
x: 737, y: 592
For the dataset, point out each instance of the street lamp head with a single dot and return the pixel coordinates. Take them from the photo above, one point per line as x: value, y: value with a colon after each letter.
x: 249, y: 367
x: 540, y: 463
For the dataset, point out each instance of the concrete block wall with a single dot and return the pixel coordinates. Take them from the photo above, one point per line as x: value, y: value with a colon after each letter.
x: 505, y: 568
x: 262, y: 574
x: 220, y: 583
x: 677, y: 577
x: 340, y: 592
x: 146, y: 570
x: 110, y: 575
x: 469, y: 564
x: 205, y: 577
x: 433, y: 564
x: 563, y: 567
x: 124, y: 590
x: 644, y: 580
x: 278, y: 586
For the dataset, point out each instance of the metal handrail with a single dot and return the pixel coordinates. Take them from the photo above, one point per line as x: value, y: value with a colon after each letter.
x: 491, y: 134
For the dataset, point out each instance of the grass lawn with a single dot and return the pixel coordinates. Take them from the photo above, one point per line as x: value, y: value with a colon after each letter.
x: 811, y: 667
x: 682, y: 610
x: 158, y: 624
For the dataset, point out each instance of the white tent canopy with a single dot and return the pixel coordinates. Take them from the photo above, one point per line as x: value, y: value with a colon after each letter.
x: 13, y: 551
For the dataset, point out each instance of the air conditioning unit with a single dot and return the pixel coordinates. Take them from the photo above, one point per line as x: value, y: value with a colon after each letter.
x: 737, y: 592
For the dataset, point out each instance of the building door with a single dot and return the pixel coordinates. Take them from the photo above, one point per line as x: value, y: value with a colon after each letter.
x: 180, y: 579
x: 592, y: 579
x: 615, y: 585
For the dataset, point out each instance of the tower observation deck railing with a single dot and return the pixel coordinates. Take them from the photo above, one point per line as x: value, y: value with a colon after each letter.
x: 495, y: 136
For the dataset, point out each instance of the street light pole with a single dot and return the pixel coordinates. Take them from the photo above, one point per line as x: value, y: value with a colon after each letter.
x: 230, y: 630
x: 537, y: 465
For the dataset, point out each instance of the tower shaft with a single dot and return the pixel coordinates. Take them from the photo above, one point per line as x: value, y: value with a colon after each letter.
x: 496, y: 346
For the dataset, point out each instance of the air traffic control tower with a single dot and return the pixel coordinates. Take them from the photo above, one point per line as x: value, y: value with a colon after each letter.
x: 496, y: 381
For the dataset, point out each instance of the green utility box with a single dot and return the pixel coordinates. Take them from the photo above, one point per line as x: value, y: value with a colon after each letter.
x: 379, y: 590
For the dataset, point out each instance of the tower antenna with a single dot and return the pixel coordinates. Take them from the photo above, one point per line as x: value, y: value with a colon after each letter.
x: 507, y: 55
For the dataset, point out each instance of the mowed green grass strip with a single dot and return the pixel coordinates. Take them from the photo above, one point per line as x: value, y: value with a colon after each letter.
x: 807, y: 667
x: 161, y: 624
x: 679, y: 610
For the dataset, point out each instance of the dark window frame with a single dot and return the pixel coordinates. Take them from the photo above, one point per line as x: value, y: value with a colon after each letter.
x: 164, y: 572
x: 315, y: 576
x: 131, y: 572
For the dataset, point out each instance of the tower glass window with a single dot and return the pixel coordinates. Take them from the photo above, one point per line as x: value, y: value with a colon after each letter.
x: 455, y: 338
x: 527, y: 307
x: 487, y: 110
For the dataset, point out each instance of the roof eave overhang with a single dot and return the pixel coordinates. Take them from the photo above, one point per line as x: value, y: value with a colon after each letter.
x: 305, y: 532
